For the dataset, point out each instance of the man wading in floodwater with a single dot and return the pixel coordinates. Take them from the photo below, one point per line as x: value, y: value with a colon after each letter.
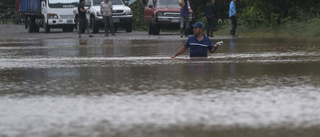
x: 199, y: 43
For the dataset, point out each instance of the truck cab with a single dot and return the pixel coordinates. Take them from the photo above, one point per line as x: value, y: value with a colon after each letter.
x: 122, y: 15
x: 48, y: 14
x: 58, y: 14
x: 164, y: 14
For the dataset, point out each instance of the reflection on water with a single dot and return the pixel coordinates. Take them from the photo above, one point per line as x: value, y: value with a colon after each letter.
x: 99, y: 87
x: 233, y: 44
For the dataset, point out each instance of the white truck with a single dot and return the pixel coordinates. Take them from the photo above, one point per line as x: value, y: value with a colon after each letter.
x: 122, y: 15
x: 48, y: 14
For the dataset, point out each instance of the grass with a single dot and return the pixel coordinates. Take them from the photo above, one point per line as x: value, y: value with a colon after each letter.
x: 309, y: 28
x: 6, y: 21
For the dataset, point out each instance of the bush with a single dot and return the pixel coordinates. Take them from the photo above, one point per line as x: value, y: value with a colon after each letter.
x: 138, y: 16
x: 254, y: 17
x: 7, y: 2
x: 313, y: 27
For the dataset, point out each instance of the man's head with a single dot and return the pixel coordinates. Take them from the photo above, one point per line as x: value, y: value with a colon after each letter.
x: 234, y: 0
x: 213, y: 1
x: 81, y: 2
x: 106, y: 0
x: 198, y: 28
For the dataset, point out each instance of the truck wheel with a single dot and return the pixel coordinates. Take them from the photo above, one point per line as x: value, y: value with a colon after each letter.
x: 26, y: 22
x: 150, y: 30
x: 46, y: 28
x: 156, y: 29
x: 30, y: 24
x: 36, y: 28
x: 129, y: 27
x: 95, y: 26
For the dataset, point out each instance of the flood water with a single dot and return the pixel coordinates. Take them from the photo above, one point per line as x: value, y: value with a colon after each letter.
x: 132, y: 88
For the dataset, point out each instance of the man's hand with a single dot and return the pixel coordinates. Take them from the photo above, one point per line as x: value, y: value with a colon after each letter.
x: 218, y: 44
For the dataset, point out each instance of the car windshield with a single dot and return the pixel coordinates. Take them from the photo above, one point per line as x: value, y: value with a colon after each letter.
x: 63, y: 1
x: 114, y: 2
x: 167, y: 3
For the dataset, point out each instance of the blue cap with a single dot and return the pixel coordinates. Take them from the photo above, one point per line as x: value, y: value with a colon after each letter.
x: 198, y: 25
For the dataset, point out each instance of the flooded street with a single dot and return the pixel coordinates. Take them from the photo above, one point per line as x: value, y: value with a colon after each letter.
x: 57, y: 85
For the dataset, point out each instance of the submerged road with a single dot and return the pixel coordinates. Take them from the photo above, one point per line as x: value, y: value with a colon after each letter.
x: 57, y: 85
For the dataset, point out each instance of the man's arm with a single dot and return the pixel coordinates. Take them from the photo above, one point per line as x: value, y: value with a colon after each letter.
x: 83, y: 10
x: 215, y: 12
x: 213, y: 50
x: 215, y: 47
x: 111, y: 11
x: 233, y: 9
x: 180, y: 51
x: 101, y: 9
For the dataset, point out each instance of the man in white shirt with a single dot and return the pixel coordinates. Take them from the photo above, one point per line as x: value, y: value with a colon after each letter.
x: 107, y: 12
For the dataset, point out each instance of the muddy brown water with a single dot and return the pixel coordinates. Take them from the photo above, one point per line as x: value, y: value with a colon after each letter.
x: 131, y: 87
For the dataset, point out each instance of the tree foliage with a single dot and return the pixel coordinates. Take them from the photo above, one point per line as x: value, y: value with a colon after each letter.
x: 264, y: 12
x: 138, y: 15
x: 7, y: 2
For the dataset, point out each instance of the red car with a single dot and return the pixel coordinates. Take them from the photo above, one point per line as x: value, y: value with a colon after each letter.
x: 164, y: 14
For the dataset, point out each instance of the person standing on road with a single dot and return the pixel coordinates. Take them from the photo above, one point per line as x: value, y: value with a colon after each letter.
x: 233, y: 15
x: 199, y: 43
x: 106, y: 10
x: 83, y: 21
x: 184, y: 19
x: 211, y: 14
x: 17, y: 12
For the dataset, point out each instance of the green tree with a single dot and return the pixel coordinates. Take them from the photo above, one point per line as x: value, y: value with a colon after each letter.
x: 138, y: 16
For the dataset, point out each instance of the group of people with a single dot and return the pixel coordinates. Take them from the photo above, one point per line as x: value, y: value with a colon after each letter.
x: 211, y: 14
x: 106, y: 11
x: 199, y: 43
x: 209, y: 11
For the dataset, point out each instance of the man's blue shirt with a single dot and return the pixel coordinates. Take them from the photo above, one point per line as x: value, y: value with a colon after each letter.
x: 232, y: 9
x: 198, y: 48
x: 185, y: 9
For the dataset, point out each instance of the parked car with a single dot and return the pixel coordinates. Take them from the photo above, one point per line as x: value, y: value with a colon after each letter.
x: 164, y: 14
x: 122, y: 15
